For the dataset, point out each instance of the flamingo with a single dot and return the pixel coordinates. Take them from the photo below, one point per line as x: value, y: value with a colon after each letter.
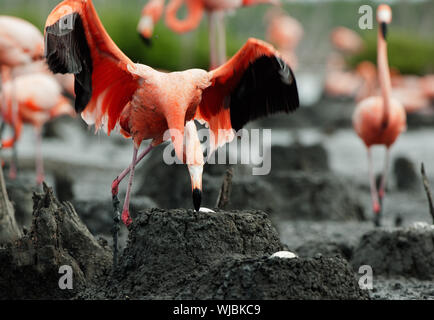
x: 346, y: 40
x: 285, y: 33
x: 196, y: 9
x: 145, y: 104
x: 20, y: 44
x: 379, y: 120
x: 39, y: 99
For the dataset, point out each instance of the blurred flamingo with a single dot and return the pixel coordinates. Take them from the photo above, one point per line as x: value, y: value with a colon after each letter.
x: 39, y: 99
x: 20, y: 43
x: 427, y: 83
x: 196, y: 9
x: 112, y: 92
x: 340, y: 82
x: 346, y: 40
x: 379, y: 120
x: 285, y: 33
x: 151, y: 13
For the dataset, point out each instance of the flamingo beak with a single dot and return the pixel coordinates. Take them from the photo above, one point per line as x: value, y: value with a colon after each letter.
x: 383, y: 27
x: 196, y: 184
x: 146, y: 40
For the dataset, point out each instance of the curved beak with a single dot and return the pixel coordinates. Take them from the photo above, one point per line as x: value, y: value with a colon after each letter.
x: 196, y: 184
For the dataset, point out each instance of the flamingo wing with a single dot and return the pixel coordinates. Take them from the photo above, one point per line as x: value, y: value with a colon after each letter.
x: 77, y: 43
x: 255, y: 83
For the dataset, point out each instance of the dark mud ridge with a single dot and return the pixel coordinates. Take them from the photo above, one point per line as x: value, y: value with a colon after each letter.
x: 170, y: 255
x: 405, y: 252
x: 29, y: 267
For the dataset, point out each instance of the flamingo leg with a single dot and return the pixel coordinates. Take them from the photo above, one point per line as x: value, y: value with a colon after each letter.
x: 116, y: 202
x: 13, y: 170
x: 39, y: 158
x: 212, y: 40
x: 13, y: 167
x: 221, y: 38
x: 217, y: 39
x: 383, y: 183
x: 374, y: 195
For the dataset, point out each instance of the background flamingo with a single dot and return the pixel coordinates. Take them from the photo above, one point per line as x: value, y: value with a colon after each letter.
x: 20, y: 44
x: 196, y: 8
x: 146, y: 104
x: 285, y: 33
x: 151, y: 13
x: 379, y: 120
x: 39, y: 99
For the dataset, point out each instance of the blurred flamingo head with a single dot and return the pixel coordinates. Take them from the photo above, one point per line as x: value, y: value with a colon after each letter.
x: 384, y: 17
x: 145, y: 28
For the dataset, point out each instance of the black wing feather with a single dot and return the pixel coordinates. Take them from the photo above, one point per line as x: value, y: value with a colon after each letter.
x: 67, y: 51
x: 268, y: 86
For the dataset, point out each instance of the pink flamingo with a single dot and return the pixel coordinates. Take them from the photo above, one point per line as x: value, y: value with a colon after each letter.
x: 39, y: 99
x: 112, y: 91
x: 20, y: 44
x: 346, y: 40
x: 379, y: 120
x: 285, y: 33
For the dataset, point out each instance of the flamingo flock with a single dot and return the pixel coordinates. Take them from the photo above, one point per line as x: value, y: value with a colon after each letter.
x: 30, y: 94
x: 76, y: 58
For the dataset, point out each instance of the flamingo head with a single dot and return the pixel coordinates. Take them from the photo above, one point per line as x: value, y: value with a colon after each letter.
x: 145, y: 29
x: 196, y: 184
x: 384, y: 17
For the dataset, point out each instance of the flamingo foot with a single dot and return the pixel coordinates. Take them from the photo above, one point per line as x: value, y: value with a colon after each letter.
x: 126, y: 217
x: 39, y: 179
x: 115, y: 187
x: 377, y: 214
x: 13, y: 172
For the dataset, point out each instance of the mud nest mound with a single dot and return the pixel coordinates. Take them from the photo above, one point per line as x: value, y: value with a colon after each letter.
x: 404, y: 251
x: 319, y: 196
x: 180, y: 254
x: 29, y: 268
x: 277, y: 278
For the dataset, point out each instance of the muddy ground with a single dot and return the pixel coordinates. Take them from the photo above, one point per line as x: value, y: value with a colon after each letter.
x: 314, y: 203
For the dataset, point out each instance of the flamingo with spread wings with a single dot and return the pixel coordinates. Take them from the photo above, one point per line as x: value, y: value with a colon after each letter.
x: 112, y: 91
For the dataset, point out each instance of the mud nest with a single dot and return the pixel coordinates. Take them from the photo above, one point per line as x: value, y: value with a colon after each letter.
x: 180, y: 254
x: 399, y: 252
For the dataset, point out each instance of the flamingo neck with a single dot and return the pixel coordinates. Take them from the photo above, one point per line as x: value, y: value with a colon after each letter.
x: 384, y: 77
x: 195, y: 10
